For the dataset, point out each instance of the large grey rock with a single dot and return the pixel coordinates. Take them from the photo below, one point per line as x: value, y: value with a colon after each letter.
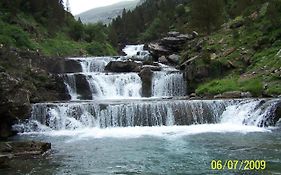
x: 151, y: 67
x: 174, y: 58
x: 123, y: 66
x: 83, y: 87
x: 14, y: 103
x: 29, y: 148
x: 163, y: 60
x: 146, y: 77
x: 229, y: 95
x: 72, y: 66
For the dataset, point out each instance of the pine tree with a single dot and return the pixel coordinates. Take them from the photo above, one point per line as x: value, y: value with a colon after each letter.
x: 207, y: 15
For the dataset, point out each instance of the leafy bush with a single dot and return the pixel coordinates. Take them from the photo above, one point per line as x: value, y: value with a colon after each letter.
x: 100, y: 49
x: 12, y: 35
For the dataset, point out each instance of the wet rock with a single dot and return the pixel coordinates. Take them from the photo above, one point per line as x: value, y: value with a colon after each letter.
x: 29, y: 148
x: 163, y: 60
x: 26, y: 149
x: 246, y: 95
x: 123, y: 66
x: 231, y: 94
x: 72, y: 66
x: 193, y: 95
x: 83, y: 87
x: 273, y: 116
x: 152, y: 68
x: 195, y: 34
x: 157, y: 50
x: 174, y: 58
x: 146, y: 77
x: 173, y: 34
x: 171, y: 44
x: 4, y: 159
x: 14, y: 103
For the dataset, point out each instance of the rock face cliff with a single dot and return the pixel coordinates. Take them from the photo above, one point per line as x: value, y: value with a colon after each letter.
x: 26, y: 78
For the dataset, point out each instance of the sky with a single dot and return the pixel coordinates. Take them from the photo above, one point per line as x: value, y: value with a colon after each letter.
x: 79, y: 6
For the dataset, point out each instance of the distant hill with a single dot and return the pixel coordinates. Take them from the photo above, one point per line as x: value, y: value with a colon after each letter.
x: 107, y: 13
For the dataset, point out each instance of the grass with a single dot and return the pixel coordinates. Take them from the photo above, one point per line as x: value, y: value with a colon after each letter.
x: 26, y: 33
x: 253, y: 85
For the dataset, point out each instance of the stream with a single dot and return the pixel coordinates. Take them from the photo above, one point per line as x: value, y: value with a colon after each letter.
x: 117, y: 131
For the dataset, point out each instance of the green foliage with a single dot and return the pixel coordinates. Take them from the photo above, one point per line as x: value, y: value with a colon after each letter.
x: 45, y: 26
x: 100, y: 49
x: 148, y: 21
x: 155, y: 30
x: 14, y: 36
x: 207, y: 15
x: 76, y: 30
x: 254, y: 85
x: 95, y: 32
x: 218, y: 86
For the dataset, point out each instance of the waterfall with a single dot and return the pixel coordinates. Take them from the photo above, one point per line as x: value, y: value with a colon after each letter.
x: 60, y: 116
x: 70, y: 82
x: 115, y: 85
x: 136, y: 51
x: 168, y: 84
x: 93, y: 64
x: 72, y: 116
x: 117, y: 102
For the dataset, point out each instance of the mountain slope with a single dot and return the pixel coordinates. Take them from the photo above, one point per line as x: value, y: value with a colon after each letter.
x: 107, y: 13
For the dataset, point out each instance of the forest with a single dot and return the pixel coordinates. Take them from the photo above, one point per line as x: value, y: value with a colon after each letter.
x: 45, y: 26
x: 238, y: 37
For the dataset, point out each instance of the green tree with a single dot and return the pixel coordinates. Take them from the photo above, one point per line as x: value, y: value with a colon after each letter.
x: 207, y: 15
x: 76, y: 30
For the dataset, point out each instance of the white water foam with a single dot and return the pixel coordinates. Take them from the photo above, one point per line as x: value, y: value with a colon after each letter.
x: 115, y: 86
x: 93, y: 64
x: 163, y: 131
x: 136, y: 51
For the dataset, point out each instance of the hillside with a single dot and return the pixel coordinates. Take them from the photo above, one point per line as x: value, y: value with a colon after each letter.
x: 238, y: 47
x: 107, y: 13
x: 34, y: 37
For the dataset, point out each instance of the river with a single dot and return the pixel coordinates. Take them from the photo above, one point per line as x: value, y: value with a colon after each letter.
x: 117, y: 131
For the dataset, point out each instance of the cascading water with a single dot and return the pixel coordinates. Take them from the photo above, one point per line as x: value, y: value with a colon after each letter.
x: 70, y: 82
x: 119, y: 132
x: 168, y: 84
x: 105, y: 111
x: 114, y: 86
x: 136, y: 52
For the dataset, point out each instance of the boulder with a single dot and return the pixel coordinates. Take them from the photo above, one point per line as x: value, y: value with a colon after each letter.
x: 173, y: 34
x: 72, y: 66
x: 14, y: 104
x: 163, y: 60
x: 123, y: 66
x: 25, y: 149
x: 246, y: 95
x: 29, y: 148
x: 152, y: 68
x: 146, y: 76
x: 83, y: 87
x: 4, y: 159
x: 158, y: 50
x: 273, y: 116
x: 174, y: 58
x: 230, y: 94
